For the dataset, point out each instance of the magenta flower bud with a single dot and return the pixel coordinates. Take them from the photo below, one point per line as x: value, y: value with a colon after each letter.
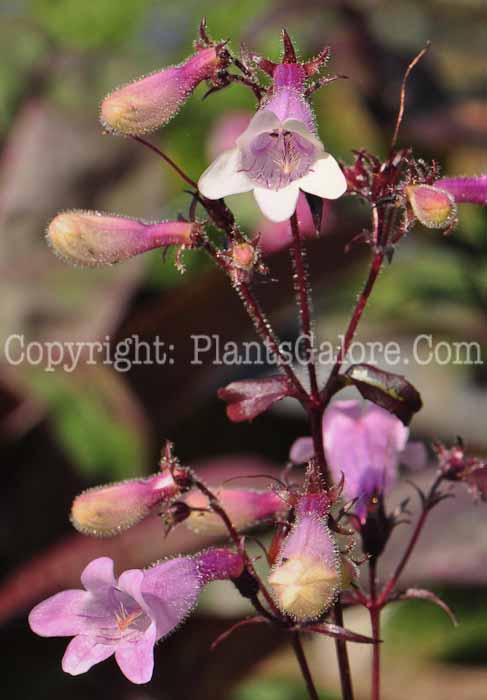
x: 92, y: 239
x: 432, y: 206
x: 364, y: 444
x: 126, y: 617
x: 245, y: 508
x: 105, y: 511
x: 146, y: 104
x: 307, y: 574
x: 465, y: 190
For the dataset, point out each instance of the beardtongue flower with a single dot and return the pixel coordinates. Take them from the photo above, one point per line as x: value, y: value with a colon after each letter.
x: 364, y: 443
x: 307, y: 574
x: 433, y: 207
x: 151, y: 102
x: 126, y: 617
x: 92, y: 239
x: 279, y: 153
x: 245, y: 508
x: 105, y: 511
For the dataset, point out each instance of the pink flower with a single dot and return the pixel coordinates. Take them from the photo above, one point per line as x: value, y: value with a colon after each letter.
x: 279, y: 153
x: 126, y: 617
x: 364, y: 443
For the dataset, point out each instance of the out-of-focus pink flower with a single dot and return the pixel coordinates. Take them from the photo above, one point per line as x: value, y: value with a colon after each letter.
x: 364, y: 443
x: 279, y: 154
x: 91, y: 238
x: 245, y: 508
x: 276, y: 236
x: 146, y: 104
x: 226, y: 131
x: 307, y: 573
x: 126, y: 617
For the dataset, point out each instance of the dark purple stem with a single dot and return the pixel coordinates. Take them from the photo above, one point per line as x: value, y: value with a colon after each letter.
x: 374, y: 611
x: 427, y: 506
x: 303, y: 664
x: 342, y: 656
x: 303, y: 294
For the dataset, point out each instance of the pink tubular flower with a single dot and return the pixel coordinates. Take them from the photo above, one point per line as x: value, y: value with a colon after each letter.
x: 148, y: 103
x: 307, y: 573
x: 91, y: 239
x: 245, y: 508
x: 365, y: 445
x: 465, y: 190
x: 107, y: 510
x: 279, y: 154
x: 126, y: 617
x: 432, y: 206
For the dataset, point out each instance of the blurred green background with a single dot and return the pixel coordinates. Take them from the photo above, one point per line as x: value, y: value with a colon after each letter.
x: 64, y: 431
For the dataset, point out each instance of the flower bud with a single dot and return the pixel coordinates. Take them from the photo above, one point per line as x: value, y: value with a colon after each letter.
x: 245, y: 508
x: 105, y: 511
x: 433, y: 207
x: 146, y: 104
x: 307, y: 574
x: 92, y: 239
x: 244, y: 255
x: 465, y: 190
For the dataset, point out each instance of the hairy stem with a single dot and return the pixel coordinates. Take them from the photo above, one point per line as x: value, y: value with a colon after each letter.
x: 303, y: 294
x: 342, y: 656
x: 303, y: 664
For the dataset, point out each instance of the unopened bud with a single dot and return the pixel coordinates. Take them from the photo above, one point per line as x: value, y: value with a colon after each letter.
x: 92, y: 239
x: 146, y: 104
x: 307, y: 574
x: 105, y: 511
x: 245, y: 508
x: 432, y: 206
x: 244, y: 255
x: 465, y: 190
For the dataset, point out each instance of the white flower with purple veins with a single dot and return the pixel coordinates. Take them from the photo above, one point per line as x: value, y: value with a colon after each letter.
x: 279, y: 153
x: 126, y: 617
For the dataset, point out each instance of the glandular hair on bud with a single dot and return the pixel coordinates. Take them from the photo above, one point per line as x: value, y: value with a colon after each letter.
x: 93, y: 239
x: 148, y: 103
x: 105, y: 511
x: 432, y: 206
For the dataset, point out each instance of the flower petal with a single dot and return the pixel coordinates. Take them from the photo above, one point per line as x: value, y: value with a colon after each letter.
x: 224, y: 177
x: 264, y: 120
x: 298, y: 127
x: 83, y: 652
x: 325, y: 179
x: 61, y: 615
x: 131, y: 582
x: 278, y: 205
x: 98, y: 575
x: 171, y: 590
x: 136, y: 658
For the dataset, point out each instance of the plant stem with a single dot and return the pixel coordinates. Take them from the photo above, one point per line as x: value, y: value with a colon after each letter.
x: 303, y: 664
x: 374, y: 611
x: 303, y: 293
x: 363, y: 298
x: 388, y: 588
x: 342, y: 656
x: 168, y: 160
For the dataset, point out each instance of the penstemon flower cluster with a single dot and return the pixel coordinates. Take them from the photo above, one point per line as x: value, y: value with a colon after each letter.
x: 329, y: 512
